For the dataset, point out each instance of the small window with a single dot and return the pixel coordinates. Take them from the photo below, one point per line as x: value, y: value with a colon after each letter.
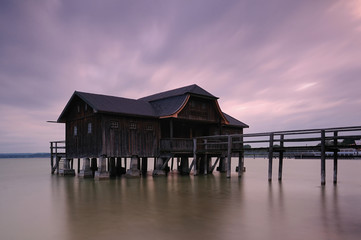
x: 132, y: 125
x: 78, y: 107
x: 86, y: 107
x: 75, y: 131
x: 89, y: 127
x: 149, y: 128
x: 114, y: 124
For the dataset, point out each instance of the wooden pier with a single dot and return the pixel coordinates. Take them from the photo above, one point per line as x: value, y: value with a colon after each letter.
x: 201, y: 150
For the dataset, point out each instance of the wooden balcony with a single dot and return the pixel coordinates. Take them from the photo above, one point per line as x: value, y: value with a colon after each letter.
x: 176, y: 145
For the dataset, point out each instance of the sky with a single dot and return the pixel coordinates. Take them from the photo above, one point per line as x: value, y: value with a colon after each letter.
x: 274, y: 64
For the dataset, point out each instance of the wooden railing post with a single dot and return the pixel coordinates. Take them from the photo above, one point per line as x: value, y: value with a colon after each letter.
x: 51, y: 157
x: 270, y: 157
x: 229, y: 156
x: 241, y: 158
x: 280, y: 166
x: 323, y: 157
x: 335, y: 157
x: 195, y: 156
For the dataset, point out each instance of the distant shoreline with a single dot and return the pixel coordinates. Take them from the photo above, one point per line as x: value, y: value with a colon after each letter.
x: 24, y: 155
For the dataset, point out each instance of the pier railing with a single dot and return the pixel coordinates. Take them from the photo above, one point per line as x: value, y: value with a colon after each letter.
x: 326, y: 141
x: 57, y: 152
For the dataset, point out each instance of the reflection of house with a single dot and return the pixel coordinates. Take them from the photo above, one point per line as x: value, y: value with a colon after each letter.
x: 115, y: 127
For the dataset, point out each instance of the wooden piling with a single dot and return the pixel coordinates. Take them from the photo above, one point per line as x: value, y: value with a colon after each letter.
x: 335, y: 157
x: 270, y: 157
x: 280, y: 164
x: 144, y: 166
x: 195, y: 171
x: 323, y: 157
x: 229, y: 156
x: 241, y: 159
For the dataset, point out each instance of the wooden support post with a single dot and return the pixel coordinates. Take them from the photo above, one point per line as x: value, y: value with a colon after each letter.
x: 214, y: 165
x: 270, y: 157
x: 144, y: 166
x: 57, y: 163
x: 184, y: 166
x: 229, y: 156
x: 86, y: 171
x: 205, y: 163
x: 335, y: 157
x: 51, y: 158
x: 133, y: 171
x: 280, y: 165
x: 241, y: 159
x: 78, y: 165
x: 323, y: 157
x: 171, y: 164
x: 102, y: 169
x: 195, y: 156
x: 112, y: 168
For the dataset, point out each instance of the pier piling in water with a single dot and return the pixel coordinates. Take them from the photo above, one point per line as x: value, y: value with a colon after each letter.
x: 223, y: 147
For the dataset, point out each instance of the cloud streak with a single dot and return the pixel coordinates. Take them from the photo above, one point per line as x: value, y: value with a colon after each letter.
x: 275, y: 65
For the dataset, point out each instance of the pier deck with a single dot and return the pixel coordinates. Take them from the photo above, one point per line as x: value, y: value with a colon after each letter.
x: 327, y: 142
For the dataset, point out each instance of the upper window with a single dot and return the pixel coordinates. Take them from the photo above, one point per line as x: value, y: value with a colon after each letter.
x: 114, y: 124
x: 132, y: 125
x: 75, y: 131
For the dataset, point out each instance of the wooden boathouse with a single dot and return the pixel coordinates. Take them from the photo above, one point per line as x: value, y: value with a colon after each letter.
x: 105, y: 131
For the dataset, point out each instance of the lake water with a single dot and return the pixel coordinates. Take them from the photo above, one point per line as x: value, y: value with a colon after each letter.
x: 37, y: 205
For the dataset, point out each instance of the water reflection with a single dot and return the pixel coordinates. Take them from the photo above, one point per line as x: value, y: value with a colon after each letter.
x: 211, y: 207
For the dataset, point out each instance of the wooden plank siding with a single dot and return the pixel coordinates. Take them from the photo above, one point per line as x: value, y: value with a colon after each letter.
x: 127, y: 136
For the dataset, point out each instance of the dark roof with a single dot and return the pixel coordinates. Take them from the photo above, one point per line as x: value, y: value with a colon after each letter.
x: 192, y: 89
x: 111, y: 104
x: 234, y: 122
x: 157, y: 105
x: 168, y: 106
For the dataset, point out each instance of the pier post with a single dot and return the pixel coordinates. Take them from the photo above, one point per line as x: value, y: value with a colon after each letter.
x: 78, y: 166
x: 280, y: 165
x: 86, y: 171
x: 335, y: 157
x: 270, y: 157
x: 241, y: 159
x: 133, y: 171
x: 51, y: 158
x: 323, y: 157
x: 195, y: 157
x: 66, y: 171
x: 94, y: 165
x: 222, y: 164
x: 184, y: 166
x: 229, y: 156
x: 205, y: 162
x: 102, y: 169
x: 112, y: 168
x: 144, y: 166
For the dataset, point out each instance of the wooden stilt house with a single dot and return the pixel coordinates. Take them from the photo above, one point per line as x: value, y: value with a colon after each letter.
x: 108, y: 126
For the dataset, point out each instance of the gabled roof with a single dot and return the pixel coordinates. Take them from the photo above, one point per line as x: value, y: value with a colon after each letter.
x: 164, y: 104
x: 234, y: 122
x: 191, y: 89
x: 111, y: 104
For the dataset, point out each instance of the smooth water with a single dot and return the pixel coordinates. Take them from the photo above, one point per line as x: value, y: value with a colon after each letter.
x: 37, y: 205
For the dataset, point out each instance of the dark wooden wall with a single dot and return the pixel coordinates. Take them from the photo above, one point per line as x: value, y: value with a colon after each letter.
x: 127, y: 136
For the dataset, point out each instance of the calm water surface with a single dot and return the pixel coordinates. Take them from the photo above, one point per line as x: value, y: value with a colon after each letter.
x: 37, y: 205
